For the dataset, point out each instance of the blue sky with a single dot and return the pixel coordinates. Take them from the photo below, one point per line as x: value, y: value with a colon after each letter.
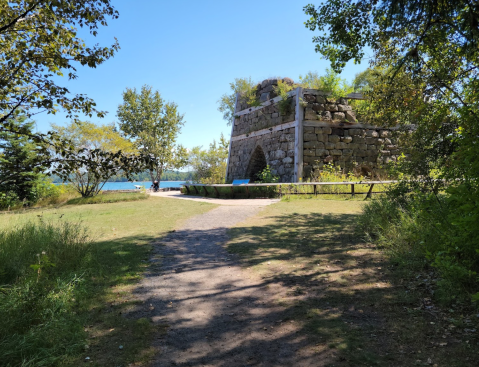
x: 191, y: 50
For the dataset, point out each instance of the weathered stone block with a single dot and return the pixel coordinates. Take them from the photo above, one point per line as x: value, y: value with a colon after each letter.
x: 286, y: 137
x: 333, y: 138
x: 326, y: 130
x: 329, y: 145
x: 310, y: 137
x: 331, y: 107
x: 328, y: 159
x: 309, y: 152
x: 308, y: 129
x: 309, y: 98
x: 318, y: 107
x: 264, y: 97
x: 323, y: 138
x: 385, y: 152
x: 290, y: 153
x: 280, y: 154
x: 372, y: 133
x: 344, y: 108
x: 347, y: 152
x: 291, y: 145
x: 288, y: 160
x: 372, y: 147
x: 370, y: 140
x: 310, y: 159
x: 384, y: 133
x: 358, y: 140
x: 347, y: 139
x: 321, y: 152
x: 325, y: 116
x: 313, y: 145
x: 336, y: 152
x: 321, y: 99
x: 351, y: 117
x: 310, y: 114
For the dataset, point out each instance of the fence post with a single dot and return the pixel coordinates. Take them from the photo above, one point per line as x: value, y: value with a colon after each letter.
x: 352, y: 189
x: 370, y: 191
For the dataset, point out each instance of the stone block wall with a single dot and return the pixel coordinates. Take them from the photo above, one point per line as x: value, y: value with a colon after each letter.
x: 366, y: 149
x: 262, y: 119
x: 318, y: 107
x: 315, y: 130
x: 278, y: 148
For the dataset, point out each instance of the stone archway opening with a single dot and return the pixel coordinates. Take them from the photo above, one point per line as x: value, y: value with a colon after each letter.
x: 257, y: 163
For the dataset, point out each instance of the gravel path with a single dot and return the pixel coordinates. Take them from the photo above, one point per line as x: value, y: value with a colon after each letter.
x: 215, y: 313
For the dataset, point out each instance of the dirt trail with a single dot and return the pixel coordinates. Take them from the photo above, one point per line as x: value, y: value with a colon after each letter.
x: 215, y: 314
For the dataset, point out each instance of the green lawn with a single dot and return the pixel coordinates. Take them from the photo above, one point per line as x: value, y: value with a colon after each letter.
x: 352, y: 303
x: 121, y: 234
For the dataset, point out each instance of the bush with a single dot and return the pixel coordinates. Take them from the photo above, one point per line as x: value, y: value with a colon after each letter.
x: 39, y: 282
x: 421, y: 228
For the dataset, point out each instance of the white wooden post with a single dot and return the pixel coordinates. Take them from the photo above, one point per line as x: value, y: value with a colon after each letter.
x: 231, y: 139
x: 298, y: 137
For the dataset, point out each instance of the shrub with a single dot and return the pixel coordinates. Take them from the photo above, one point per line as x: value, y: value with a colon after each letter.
x: 421, y: 228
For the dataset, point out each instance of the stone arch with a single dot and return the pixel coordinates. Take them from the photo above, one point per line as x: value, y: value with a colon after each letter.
x: 256, y: 164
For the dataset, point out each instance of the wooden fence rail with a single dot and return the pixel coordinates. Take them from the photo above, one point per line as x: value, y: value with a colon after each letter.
x: 289, y: 185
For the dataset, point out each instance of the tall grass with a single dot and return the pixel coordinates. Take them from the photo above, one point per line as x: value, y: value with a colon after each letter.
x: 40, y: 276
x: 417, y: 231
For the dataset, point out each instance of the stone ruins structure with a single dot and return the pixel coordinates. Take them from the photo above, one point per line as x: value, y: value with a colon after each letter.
x: 304, y: 132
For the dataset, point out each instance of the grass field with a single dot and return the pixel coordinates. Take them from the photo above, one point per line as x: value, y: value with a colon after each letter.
x: 92, y: 323
x: 355, y: 306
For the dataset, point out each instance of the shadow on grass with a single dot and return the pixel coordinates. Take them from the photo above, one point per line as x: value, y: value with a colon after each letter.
x: 112, y: 270
x: 295, y: 312
x: 318, y: 297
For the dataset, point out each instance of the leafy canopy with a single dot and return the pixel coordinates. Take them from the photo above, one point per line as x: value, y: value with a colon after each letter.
x: 428, y: 55
x: 101, y: 154
x: 209, y: 166
x: 38, y: 43
x: 153, y: 125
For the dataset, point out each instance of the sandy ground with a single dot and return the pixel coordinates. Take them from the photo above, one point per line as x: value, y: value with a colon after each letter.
x: 215, y: 313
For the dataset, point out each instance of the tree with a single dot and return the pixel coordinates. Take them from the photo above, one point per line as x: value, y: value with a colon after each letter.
x: 153, y: 125
x: 39, y: 43
x: 20, y: 162
x: 102, y: 153
x: 227, y: 102
x: 429, y: 51
x: 209, y: 166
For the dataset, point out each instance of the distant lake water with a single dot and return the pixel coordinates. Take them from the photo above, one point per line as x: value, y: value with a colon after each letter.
x: 145, y: 184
